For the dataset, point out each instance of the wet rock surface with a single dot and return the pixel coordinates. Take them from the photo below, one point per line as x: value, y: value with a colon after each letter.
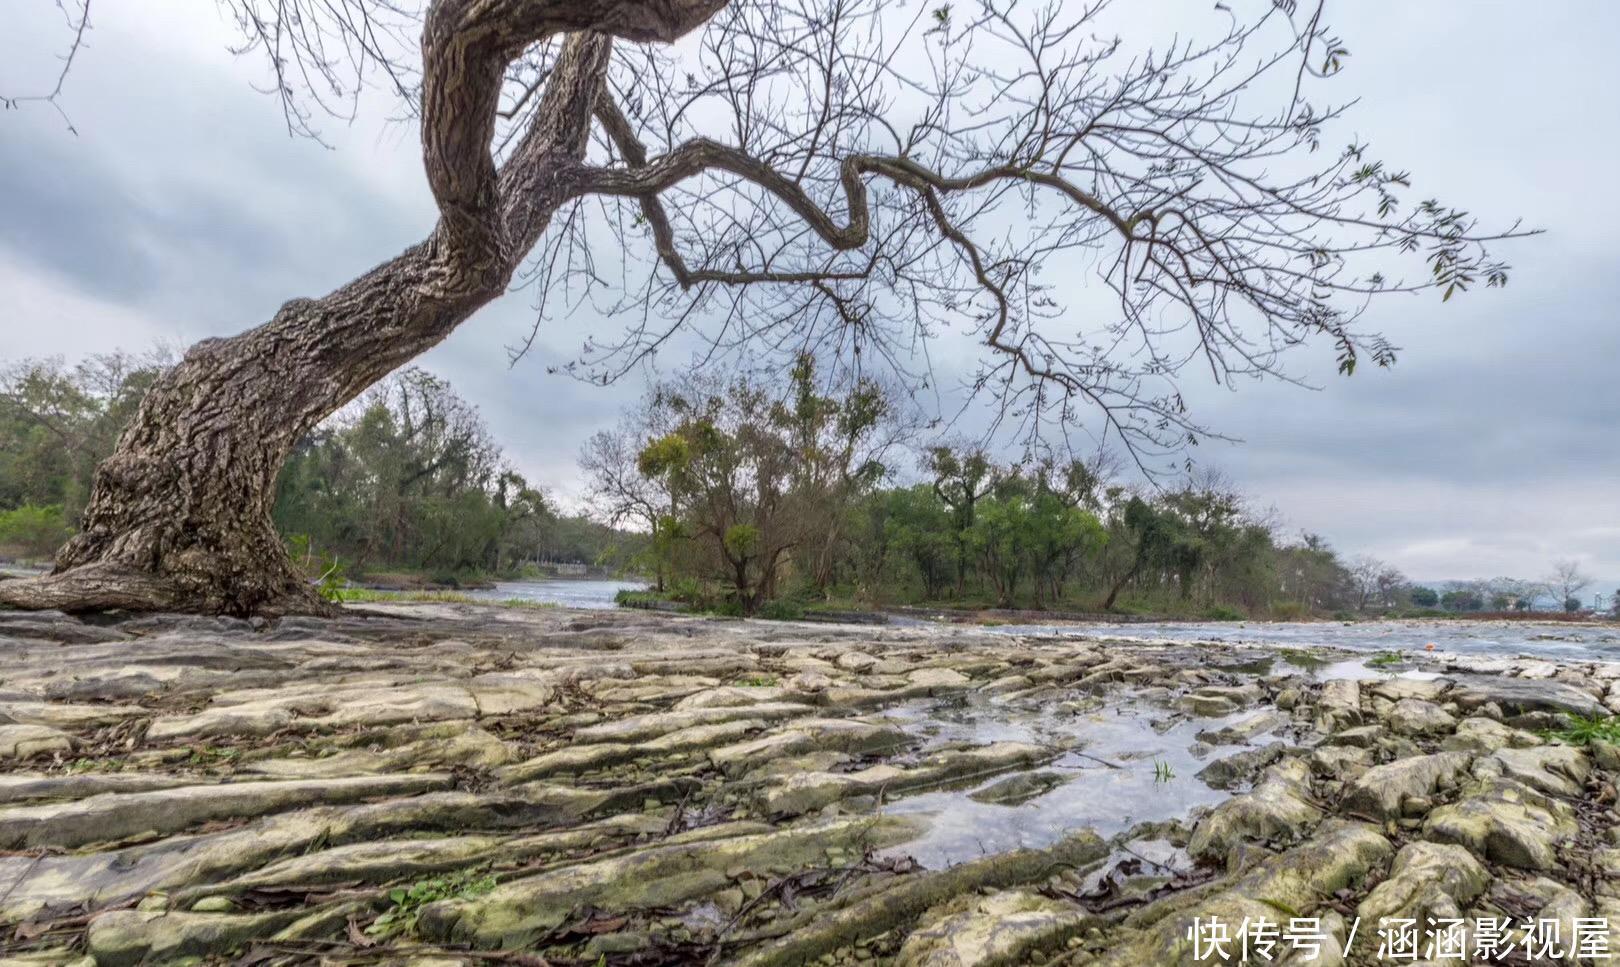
x: 460, y: 785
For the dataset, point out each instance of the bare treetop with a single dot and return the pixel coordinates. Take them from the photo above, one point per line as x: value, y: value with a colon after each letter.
x: 854, y: 177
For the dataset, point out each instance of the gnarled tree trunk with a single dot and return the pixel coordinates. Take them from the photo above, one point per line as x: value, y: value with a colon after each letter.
x: 179, y: 515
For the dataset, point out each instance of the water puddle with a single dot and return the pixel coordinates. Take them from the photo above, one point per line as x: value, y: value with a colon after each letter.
x: 1131, y: 758
x: 1357, y: 669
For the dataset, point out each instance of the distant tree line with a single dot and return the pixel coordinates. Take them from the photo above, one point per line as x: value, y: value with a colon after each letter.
x: 776, y: 495
x: 741, y: 494
x: 1560, y: 589
x: 407, y: 478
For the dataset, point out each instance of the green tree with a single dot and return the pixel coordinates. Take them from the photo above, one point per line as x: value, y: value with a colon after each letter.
x: 58, y: 422
x: 32, y: 531
x: 1003, y: 537
x: 410, y: 478
x: 1063, y: 532
x: 962, y: 477
x: 1156, y: 538
x: 1462, y: 599
x: 756, y: 473
x: 918, y: 526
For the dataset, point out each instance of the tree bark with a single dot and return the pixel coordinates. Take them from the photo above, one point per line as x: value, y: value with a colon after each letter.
x: 1119, y: 585
x: 179, y: 515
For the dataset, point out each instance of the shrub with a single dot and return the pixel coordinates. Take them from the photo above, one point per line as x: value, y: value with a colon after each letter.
x: 1289, y: 611
x: 781, y: 609
x: 1583, y: 730
x: 34, y: 531
x: 1221, y: 612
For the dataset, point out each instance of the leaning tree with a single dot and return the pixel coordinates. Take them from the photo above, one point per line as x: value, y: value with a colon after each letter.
x: 847, y: 178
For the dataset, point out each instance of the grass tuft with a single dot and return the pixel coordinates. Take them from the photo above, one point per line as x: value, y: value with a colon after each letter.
x: 1584, y: 731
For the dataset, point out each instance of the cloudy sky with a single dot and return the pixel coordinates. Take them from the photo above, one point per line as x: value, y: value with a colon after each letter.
x: 182, y: 209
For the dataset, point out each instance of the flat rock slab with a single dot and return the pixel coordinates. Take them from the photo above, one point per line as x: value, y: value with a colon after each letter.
x: 106, y: 817
x: 1517, y: 696
x: 25, y: 741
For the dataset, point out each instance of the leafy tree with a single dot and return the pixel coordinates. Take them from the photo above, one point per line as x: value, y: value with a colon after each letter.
x: 58, y: 422
x: 1423, y: 597
x: 409, y: 477
x: 1062, y: 532
x: 1157, y: 539
x: 1003, y: 537
x: 962, y: 477
x: 920, y: 528
x: 1462, y: 599
x: 33, y: 531
x: 1314, y: 576
x: 840, y: 444
x: 754, y: 475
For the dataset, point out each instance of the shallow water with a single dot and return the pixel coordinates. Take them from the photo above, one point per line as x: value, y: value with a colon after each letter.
x: 567, y: 593
x: 1113, y: 776
x: 1539, y: 639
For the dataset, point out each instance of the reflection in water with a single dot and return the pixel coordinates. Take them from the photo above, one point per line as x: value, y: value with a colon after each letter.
x: 1131, y: 760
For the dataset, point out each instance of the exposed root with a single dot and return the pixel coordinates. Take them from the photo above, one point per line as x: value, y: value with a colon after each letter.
x: 103, y: 587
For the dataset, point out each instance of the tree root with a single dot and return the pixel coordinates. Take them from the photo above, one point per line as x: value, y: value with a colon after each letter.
x: 111, y: 587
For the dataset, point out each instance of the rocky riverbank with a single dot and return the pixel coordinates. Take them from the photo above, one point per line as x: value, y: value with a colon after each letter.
x: 461, y: 785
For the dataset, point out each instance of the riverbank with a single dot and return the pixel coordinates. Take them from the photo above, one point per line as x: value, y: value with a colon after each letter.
x: 445, y: 783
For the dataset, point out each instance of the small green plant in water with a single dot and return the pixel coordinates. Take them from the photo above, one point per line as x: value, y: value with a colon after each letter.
x: 331, y: 583
x: 1385, y: 659
x: 1162, y: 771
x: 408, y: 901
x: 1584, y: 731
x: 1300, y: 658
x: 758, y: 681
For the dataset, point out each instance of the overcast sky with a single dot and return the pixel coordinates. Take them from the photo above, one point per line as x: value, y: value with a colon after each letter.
x: 182, y: 209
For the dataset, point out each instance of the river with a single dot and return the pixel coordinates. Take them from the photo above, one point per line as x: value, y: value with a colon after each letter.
x: 1540, y: 639
x: 566, y: 593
